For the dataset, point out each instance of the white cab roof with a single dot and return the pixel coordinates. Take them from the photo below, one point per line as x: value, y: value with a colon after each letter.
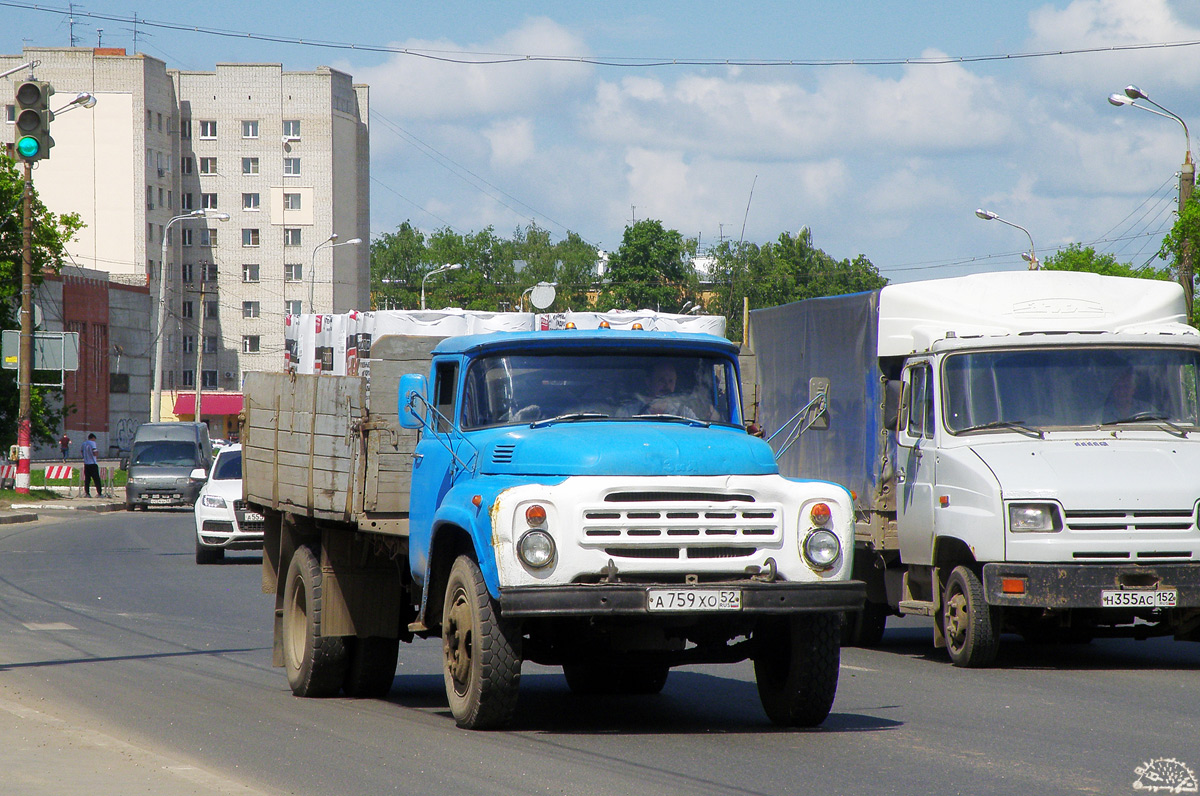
x: 913, y: 315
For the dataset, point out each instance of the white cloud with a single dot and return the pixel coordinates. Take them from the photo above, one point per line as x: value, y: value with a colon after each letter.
x: 512, y: 142
x: 412, y: 86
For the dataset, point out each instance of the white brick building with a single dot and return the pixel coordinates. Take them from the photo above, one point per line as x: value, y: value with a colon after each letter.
x: 284, y: 154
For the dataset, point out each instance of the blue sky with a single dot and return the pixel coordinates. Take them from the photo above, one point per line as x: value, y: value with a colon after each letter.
x: 884, y: 160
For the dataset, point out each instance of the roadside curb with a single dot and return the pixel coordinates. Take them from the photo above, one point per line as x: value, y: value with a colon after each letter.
x: 8, y: 519
x: 99, y: 507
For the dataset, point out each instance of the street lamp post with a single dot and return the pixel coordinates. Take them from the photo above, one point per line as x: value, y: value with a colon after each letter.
x: 1031, y: 257
x: 312, y: 275
x: 442, y: 269
x: 1187, y: 178
x: 161, y: 324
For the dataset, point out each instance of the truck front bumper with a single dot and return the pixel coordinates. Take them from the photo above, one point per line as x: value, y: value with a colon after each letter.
x: 626, y: 599
x: 1080, y: 585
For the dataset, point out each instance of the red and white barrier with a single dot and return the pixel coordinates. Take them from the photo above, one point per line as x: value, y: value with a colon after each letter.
x: 58, y: 472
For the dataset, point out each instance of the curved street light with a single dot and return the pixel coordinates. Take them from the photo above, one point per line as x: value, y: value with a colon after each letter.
x: 1031, y: 257
x: 1187, y: 178
x: 156, y: 386
x: 442, y: 269
x: 312, y: 271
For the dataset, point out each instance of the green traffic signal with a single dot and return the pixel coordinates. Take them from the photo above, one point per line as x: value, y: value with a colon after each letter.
x: 28, y: 147
x: 33, y: 116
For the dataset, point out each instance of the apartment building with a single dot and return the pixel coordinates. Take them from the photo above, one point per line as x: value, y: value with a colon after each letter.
x: 283, y: 154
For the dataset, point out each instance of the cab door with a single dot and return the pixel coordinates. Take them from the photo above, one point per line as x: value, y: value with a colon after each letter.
x: 917, y: 463
x: 433, y: 466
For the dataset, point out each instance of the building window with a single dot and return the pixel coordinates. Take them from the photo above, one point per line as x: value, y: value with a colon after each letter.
x: 185, y: 129
x: 250, y: 201
x: 291, y: 167
x: 208, y: 129
x: 210, y: 308
x: 209, y: 271
x: 185, y: 201
x: 10, y: 114
x: 208, y: 379
x: 186, y: 311
x: 161, y: 194
x: 293, y: 272
x: 189, y: 344
x: 159, y: 122
x: 149, y: 197
x: 291, y: 201
x: 189, y: 378
x: 249, y: 237
x: 185, y: 272
x: 249, y: 165
x: 250, y: 344
x: 293, y: 307
x: 249, y: 309
x: 291, y: 236
x: 250, y: 272
x: 250, y: 128
x: 208, y: 165
x: 208, y: 237
x: 208, y: 201
x: 185, y: 164
x: 210, y: 344
x: 291, y: 129
x: 185, y: 235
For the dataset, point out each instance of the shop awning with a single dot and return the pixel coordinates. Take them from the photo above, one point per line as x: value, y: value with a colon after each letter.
x: 215, y: 403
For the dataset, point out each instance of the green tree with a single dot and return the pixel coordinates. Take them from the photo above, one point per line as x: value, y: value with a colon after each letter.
x: 1077, y: 257
x: 398, y: 262
x: 51, y: 234
x: 1185, y: 236
x: 651, y: 269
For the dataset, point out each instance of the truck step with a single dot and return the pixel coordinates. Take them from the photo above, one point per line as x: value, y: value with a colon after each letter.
x: 918, y: 607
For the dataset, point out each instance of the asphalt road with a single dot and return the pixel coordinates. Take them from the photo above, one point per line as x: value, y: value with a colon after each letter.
x: 106, y: 620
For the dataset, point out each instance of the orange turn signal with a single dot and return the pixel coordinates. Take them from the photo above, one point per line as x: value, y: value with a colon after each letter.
x: 535, y: 515
x: 1012, y: 585
x: 637, y: 327
x: 821, y: 514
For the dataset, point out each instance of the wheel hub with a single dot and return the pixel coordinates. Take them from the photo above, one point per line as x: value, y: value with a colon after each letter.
x: 457, y: 642
x: 956, y: 619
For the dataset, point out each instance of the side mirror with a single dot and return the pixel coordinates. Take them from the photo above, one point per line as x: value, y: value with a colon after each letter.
x: 198, y: 475
x: 411, y: 384
x: 819, y: 386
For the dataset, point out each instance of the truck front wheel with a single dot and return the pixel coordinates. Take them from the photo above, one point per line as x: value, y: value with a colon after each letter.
x: 315, y: 664
x: 481, y: 652
x: 971, y: 626
x: 796, y: 666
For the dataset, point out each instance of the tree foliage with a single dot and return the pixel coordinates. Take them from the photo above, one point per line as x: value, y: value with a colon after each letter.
x: 652, y: 269
x: 790, y: 269
x: 50, y: 235
x: 1077, y: 257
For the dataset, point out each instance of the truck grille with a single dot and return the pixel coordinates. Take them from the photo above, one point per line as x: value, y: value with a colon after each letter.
x: 681, y: 525
x: 1133, y: 521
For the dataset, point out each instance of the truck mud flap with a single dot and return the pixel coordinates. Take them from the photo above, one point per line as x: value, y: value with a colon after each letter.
x: 630, y: 599
x: 1081, y: 585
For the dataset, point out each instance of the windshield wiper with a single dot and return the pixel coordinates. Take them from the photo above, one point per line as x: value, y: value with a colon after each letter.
x: 568, y: 418
x: 1149, y: 417
x: 691, y: 421
x: 1015, y: 425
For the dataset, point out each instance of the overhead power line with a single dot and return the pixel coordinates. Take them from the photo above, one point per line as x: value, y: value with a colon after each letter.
x: 491, y: 58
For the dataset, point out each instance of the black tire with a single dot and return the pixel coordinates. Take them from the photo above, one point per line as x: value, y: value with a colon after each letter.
x: 315, y: 663
x: 970, y: 625
x: 209, y: 555
x: 371, y: 666
x: 796, y: 664
x: 865, y: 628
x: 590, y: 678
x: 481, y: 652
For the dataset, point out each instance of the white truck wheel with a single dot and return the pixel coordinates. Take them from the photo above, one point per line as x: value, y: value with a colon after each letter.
x: 796, y: 667
x: 315, y: 664
x: 971, y: 626
x: 481, y: 652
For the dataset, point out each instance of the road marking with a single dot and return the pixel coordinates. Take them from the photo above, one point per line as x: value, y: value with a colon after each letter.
x: 848, y: 667
x: 48, y: 626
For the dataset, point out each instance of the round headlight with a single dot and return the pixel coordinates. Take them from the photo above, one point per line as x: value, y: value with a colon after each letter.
x: 821, y: 549
x: 536, y: 549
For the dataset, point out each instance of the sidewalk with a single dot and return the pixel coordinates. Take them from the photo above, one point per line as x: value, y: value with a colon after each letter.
x: 28, y: 512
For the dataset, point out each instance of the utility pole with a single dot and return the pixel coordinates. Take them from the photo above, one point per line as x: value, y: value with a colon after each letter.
x: 197, y: 379
x: 1187, y: 181
x: 25, y: 369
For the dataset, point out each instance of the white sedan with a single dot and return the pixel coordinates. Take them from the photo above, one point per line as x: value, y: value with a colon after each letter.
x: 222, y: 521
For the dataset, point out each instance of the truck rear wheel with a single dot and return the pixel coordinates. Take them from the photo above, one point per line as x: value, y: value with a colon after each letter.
x: 796, y: 667
x: 481, y: 652
x: 315, y: 664
x: 371, y: 666
x: 971, y: 626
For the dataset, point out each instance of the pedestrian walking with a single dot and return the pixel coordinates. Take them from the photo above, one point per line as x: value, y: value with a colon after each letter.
x: 91, y: 468
x: 64, y: 445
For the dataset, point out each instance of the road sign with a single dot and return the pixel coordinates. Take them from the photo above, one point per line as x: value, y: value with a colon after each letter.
x: 51, y: 350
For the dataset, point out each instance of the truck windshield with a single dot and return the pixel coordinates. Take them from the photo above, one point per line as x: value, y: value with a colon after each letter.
x: 526, y: 388
x: 1071, y: 388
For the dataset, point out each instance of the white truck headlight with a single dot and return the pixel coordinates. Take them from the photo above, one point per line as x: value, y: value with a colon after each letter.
x: 536, y: 549
x: 821, y: 548
x: 1034, y: 518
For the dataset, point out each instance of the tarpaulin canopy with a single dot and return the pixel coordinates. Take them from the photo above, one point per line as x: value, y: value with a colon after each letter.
x: 217, y: 403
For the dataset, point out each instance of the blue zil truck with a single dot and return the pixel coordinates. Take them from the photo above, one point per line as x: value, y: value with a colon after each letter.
x: 583, y: 499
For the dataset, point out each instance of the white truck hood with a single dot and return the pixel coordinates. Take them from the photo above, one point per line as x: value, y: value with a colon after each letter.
x: 1112, y: 473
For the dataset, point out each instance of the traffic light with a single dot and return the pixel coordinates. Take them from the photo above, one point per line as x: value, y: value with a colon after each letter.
x: 33, y: 120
